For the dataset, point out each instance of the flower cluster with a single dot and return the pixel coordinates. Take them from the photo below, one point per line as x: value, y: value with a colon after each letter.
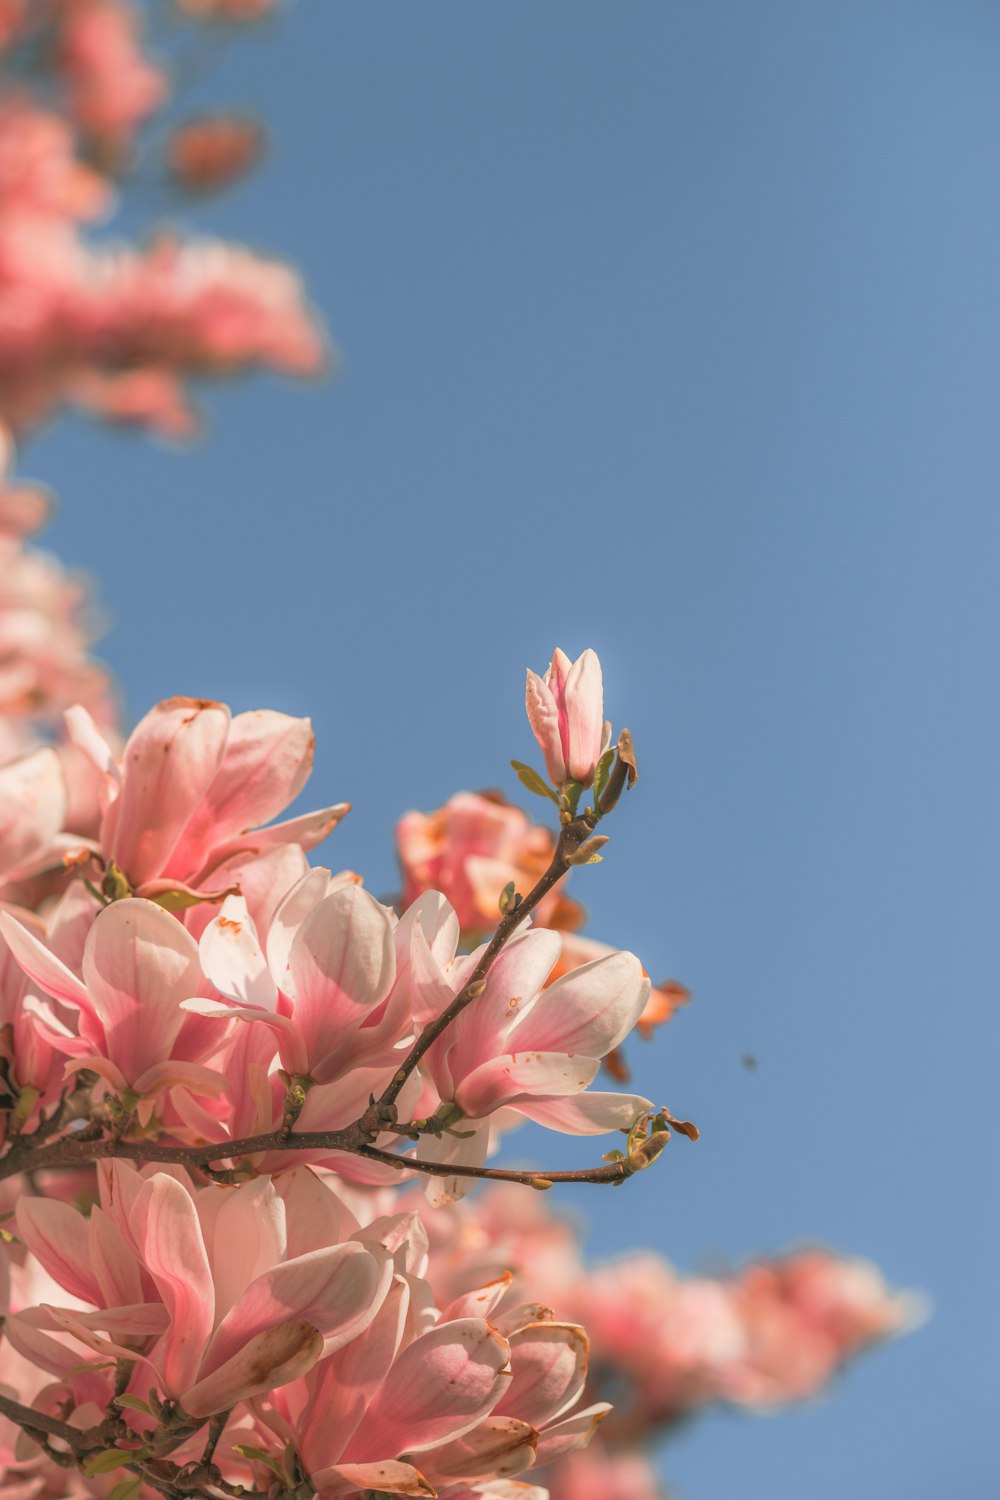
x: 117, y: 329
x: 668, y: 1346
x: 232, y: 1069
x: 195, y: 994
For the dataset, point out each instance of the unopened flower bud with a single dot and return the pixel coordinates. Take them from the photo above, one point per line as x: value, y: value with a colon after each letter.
x: 566, y: 713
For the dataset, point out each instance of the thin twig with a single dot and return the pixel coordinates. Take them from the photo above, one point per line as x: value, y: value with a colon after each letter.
x: 610, y: 1172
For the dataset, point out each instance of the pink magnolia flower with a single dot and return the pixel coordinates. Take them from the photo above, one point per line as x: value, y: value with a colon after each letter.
x: 112, y: 86
x: 325, y: 983
x: 32, y: 812
x: 515, y: 1048
x: 598, y: 1473
x: 222, y: 1295
x: 39, y: 171
x: 431, y: 1402
x: 192, y: 784
x: 138, y: 965
x: 469, y: 850
x: 566, y: 712
x: 45, y: 616
x: 804, y: 1314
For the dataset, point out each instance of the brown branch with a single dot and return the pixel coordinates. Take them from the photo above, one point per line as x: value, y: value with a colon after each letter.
x: 36, y: 1421
x: 83, y: 1445
x: 572, y: 835
x: 611, y: 1172
x: 380, y: 1116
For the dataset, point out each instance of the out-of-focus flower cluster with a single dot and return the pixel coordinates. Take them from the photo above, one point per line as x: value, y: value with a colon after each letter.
x: 664, y: 1346
x: 121, y: 329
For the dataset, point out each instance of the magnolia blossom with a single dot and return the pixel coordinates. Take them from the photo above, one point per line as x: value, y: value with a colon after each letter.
x: 280, y: 1297
x: 139, y: 965
x: 190, y: 788
x: 221, y: 1296
x: 566, y: 713
x: 118, y: 329
x: 469, y: 850
x: 517, y: 1050
x: 112, y: 86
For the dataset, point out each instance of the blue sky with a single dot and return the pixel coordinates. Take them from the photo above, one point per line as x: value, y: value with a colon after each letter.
x: 672, y: 330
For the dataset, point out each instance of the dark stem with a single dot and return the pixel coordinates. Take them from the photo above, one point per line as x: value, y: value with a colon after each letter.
x: 610, y: 1172
x: 571, y: 836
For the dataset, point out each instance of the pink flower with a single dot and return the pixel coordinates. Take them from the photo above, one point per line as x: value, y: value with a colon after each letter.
x: 138, y: 965
x: 223, y: 1296
x: 192, y: 784
x: 32, y: 810
x: 469, y: 850
x: 325, y: 984
x: 515, y: 1048
x: 112, y: 86
x: 599, y: 1474
x: 566, y: 712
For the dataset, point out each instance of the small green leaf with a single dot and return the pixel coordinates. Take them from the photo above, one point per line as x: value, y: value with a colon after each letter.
x: 259, y: 1456
x: 571, y: 793
x: 601, y: 773
x: 115, y: 884
x: 176, y: 900
x: 104, y: 1463
x: 507, y: 898
x: 530, y: 778
x: 134, y: 1403
x: 128, y: 1489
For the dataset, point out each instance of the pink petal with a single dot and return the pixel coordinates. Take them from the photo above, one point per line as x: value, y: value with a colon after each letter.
x: 584, y: 698
x: 248, y: 1237
x: 308, y: 892
x: 341, y: 965
x: 205, y: 1082
x: 572, y: 1432
x: 590, y: 1010
x: 58, y: 1237
x: 138, y: 965
x: 481, y: 1302
x: 441, y: 1385
x: 88, y: 739
x: 232, y: 959
x: 512, y: 987
x: 116, y: 1269
x: 169, y: 763
x: 22, y: 1332
x: 498, y: 1447
x: 387, y: 1476
x: 32, y: 808
x: 543, y: 716
x: 467, y: 1150
x: 549, y: 1361
x: 266, y: 763
x: 508, y: 1080
x: 346, y: 1382
x: 307, y: 831
x: 43, y: 967
x: 337, y: 1290
x: 268, y: 1359
x: 173, y: 1250
x: 591, y: 1113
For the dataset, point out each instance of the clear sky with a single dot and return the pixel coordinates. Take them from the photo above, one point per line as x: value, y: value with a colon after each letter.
x: 671, y: 329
